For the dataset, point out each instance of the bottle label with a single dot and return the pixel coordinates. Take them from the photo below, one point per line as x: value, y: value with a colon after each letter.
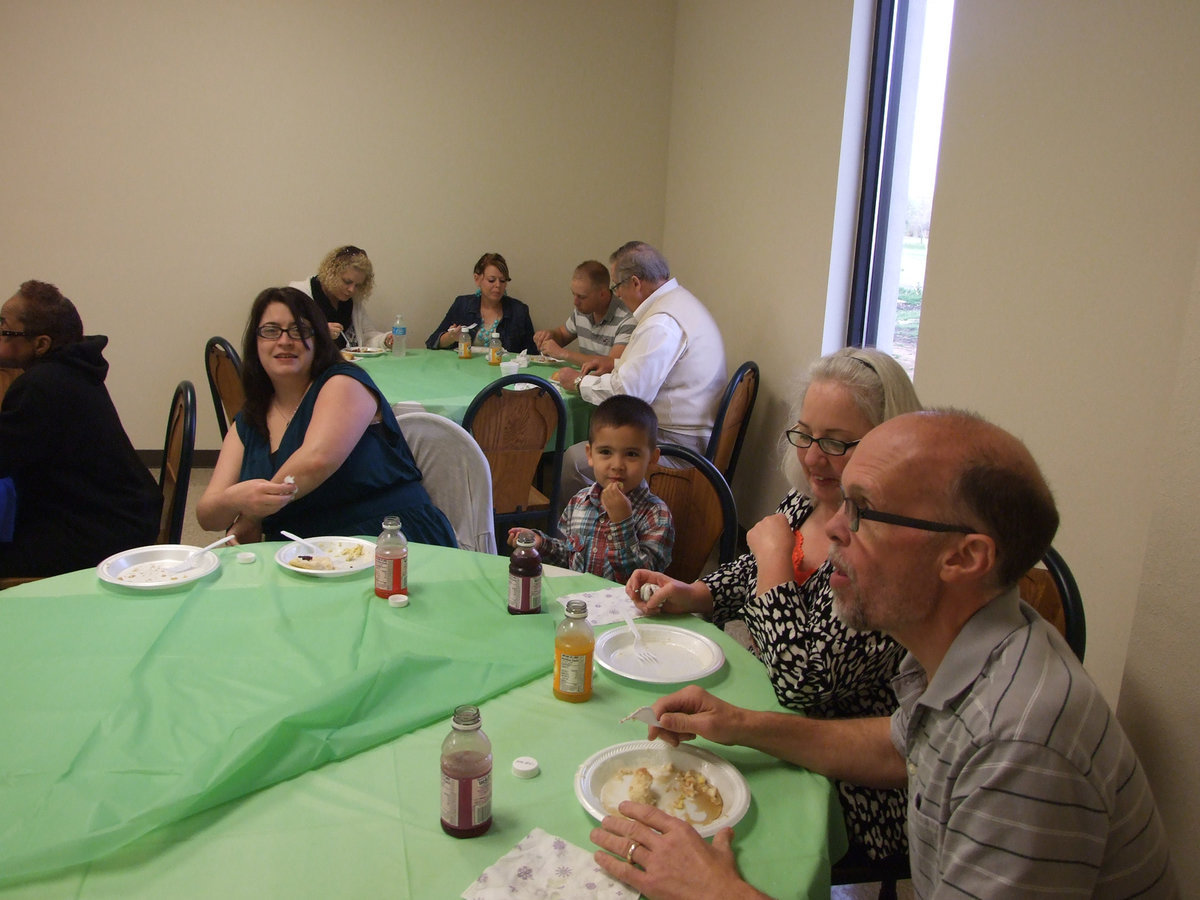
x: 525, y: 593
x: 399, y: 331
x: 466, y: 802
x: 391, y: 575
x: 571, y: 672
x: 495, y: 355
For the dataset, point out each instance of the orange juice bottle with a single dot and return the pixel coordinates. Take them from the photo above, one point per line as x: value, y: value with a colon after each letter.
x: 574, y: 646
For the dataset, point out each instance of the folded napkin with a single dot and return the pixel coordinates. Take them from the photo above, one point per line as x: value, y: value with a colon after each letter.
x: 546, y: 867
x: 604, y: 606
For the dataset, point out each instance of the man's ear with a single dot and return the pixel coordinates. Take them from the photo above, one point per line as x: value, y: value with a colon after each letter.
x: 42, y: 344
x: 587, y: 449
x: 655, y: 453
x: 971, y: 558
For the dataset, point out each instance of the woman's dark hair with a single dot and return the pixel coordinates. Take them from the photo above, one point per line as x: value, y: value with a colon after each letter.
x: 255, y: 381
x: 492, y: 259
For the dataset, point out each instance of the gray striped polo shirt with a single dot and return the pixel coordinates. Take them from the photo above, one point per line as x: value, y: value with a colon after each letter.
x: 1021, y: 781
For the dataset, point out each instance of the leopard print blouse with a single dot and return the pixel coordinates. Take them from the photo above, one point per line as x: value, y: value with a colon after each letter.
x: 822, y: 668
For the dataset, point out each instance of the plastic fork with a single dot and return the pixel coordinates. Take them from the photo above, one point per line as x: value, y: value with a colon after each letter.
x: 643, y: 654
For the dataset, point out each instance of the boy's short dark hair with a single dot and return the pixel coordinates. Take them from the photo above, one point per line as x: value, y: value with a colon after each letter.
x: 623, y: 410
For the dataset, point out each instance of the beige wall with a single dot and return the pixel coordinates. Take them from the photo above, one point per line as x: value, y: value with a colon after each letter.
x: 165, y: 161
x: 1065, y: 236
x: 756, y: 122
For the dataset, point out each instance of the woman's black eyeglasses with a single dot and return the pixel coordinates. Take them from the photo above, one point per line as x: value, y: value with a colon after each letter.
x: 297, y: 331
x: 856, y: 513
x: 828, y: 445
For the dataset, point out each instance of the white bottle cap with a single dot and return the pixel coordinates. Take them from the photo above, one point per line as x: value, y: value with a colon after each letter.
x: 246, y: 557
x: 398, y: 600
x: 525, y: 767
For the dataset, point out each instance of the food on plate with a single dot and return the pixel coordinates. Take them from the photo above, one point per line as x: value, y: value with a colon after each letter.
x: 334, y: 556
x: 318, y: 563
x: 683, y: 793
x: 640, y: 790
x: 155, y: 571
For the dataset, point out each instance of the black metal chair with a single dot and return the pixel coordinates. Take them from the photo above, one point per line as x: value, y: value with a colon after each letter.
x: 702, y: 507
x: 1053, y: 592
x: 224, y: 368
x: 513, y: 427
x: 176, y: 469
x: 733, y: 418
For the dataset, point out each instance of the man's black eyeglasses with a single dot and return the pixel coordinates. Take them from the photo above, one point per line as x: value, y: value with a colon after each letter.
x: 831, y: 446
x: 856, y: 513
x: 297, y: 331
x: 616, y: 284
x: 14, y: 334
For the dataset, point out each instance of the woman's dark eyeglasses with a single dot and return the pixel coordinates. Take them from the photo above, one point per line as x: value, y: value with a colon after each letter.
x: 297, y: 331
x: 830, y: 446
x: 856, y: 513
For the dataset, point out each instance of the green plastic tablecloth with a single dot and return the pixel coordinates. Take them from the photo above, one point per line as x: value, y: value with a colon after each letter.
x: 125, y: 712
x: 446, y: 385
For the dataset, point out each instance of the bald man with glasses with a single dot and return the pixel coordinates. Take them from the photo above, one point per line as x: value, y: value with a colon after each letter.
x: 1021, y: 781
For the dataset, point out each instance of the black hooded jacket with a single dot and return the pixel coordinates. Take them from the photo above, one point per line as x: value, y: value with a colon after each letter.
x: 82, y: 492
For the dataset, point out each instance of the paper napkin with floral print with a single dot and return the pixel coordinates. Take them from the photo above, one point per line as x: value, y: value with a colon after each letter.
x: 546, y: 867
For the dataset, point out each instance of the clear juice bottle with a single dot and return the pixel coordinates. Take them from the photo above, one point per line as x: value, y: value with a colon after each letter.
x: 391, y: 560
x: 574, y: 646
x: 495, y: 350
x: 525, y: 577
x: 466, y: 776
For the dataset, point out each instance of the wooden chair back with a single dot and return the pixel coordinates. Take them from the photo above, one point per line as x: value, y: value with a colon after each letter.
x: 224, y: 368
x: 513, y: 427
x: 733, y: 418
x: 176, y: 469
x: 702, y: 508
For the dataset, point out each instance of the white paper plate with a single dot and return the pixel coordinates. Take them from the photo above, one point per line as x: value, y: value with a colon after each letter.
x: 142, y: 567
x: 682, y: 655
x: 367, y: 351
x: 334, y: 547
x: 600, y: 787
x: 543, y: 360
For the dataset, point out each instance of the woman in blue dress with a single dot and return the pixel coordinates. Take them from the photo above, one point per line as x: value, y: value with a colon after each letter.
x: 316, y: 449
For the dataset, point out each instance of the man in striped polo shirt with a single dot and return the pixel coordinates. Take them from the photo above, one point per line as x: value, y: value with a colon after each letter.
x: 1021, y: 781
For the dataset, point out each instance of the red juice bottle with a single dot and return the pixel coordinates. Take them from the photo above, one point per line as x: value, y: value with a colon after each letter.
x: 466, y: 776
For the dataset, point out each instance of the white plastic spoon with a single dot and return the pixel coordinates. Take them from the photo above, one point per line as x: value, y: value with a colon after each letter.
x: 313, y: 549
x: 642, y: 714
x: 189, y: 561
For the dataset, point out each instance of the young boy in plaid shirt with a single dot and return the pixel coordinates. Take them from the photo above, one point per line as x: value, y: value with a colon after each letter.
x: 616, y: 525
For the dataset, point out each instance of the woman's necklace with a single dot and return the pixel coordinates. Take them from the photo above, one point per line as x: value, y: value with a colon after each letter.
x: 288, y: 416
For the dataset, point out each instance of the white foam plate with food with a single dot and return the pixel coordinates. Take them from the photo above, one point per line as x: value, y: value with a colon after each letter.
x: 681, y: 655
x: 366, y: 351
x: 542, y: 360
x: 338, y: 556
x: 675, y: 779
x: 145, y: 568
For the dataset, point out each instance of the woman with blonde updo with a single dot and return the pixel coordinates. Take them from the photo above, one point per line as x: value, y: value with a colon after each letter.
x: 340, y: 288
